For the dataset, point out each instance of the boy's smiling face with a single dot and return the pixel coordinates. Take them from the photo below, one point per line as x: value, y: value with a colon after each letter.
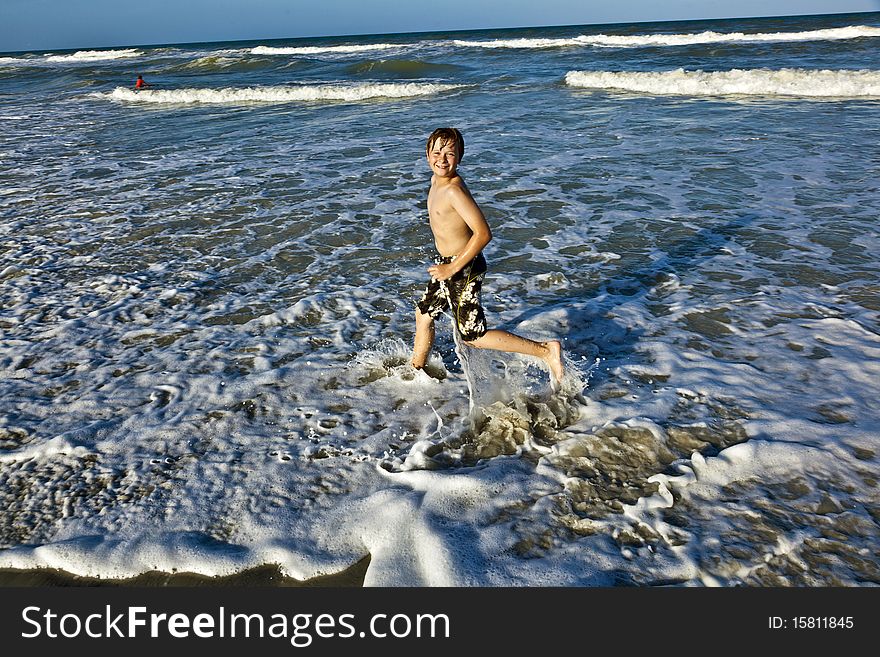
x: 443, y: 158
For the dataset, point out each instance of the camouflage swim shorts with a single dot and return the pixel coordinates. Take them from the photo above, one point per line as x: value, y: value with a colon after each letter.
x: 461, y: 295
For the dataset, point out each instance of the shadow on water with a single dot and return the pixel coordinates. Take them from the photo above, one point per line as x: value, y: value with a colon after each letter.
x: 590, y: 310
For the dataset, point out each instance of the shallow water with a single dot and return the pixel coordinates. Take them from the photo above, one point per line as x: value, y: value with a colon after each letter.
x: 207, y: 295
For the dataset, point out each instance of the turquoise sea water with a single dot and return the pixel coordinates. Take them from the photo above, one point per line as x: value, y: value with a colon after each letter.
x: 206, y: 294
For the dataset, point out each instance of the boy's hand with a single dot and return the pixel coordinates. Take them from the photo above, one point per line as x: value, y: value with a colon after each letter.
x: 442, y: 272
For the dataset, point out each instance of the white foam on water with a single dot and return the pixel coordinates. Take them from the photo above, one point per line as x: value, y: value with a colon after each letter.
x: 643, y: 40
x: 830, y: 34
x: 96, y: 55
x: 519, y: 43
x: 744, y: 82
x: 316, y: 463
x: 785, y: 470
x: 316, y: 50
x: 278, y: 94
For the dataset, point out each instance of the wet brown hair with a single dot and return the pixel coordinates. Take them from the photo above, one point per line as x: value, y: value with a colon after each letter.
x: 445, y: 135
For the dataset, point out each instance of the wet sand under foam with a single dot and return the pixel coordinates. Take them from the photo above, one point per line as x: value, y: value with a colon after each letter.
x: 266, y: 575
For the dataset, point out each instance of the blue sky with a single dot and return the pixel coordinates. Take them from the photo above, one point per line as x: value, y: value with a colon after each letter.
x: 62, y: 24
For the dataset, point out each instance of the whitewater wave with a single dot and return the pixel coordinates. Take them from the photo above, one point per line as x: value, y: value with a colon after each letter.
x: 278, y: 94
x: 315, y: 50
x: 751, y: 82
x: 95, y: 55
x: 642, y: 40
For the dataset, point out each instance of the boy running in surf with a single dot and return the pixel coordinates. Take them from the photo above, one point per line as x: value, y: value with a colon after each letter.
x: 460, y: 234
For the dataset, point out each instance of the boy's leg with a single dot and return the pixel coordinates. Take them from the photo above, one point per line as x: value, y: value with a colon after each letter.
x: 550, y: 352
x: 424, y: 339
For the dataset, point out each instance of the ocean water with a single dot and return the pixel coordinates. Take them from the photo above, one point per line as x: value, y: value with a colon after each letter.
x: 207, y: 287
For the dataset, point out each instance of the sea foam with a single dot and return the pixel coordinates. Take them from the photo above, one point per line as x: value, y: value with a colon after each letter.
x: 278, y: 94
x: 95, y: 55
x: 642, y: 40
x: 749, y: 82
x: 314, y: 50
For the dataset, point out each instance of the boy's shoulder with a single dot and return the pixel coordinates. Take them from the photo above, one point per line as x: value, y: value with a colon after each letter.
x: 448, y: 194
x: 450, y: 186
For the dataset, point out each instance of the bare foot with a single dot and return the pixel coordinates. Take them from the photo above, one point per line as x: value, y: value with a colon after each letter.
x: 554, y: 359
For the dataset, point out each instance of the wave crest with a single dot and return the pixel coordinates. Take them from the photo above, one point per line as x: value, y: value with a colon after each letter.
x: 831, y: 34
x: 278, y: 94
x: 95, y: 55
x: 642, y: 40
x: 315, y: 50
x: 752, y: 82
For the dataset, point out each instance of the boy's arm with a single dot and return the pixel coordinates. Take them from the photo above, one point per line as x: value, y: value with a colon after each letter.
x: 481, y: 234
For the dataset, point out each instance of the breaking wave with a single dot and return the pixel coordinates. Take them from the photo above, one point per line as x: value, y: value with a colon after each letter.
x: 278, y: 94
x: 95, y: 55
x: 642, y: 40
x: 752, y: 82
x: 314, y: 50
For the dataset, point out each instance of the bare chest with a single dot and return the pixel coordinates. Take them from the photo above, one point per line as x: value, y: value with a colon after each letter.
x: 440, y: 211
x: 444, y: 219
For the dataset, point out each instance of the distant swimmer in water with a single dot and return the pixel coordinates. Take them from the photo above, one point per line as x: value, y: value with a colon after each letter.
x: 460, y: 233
x: 140, y: 84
